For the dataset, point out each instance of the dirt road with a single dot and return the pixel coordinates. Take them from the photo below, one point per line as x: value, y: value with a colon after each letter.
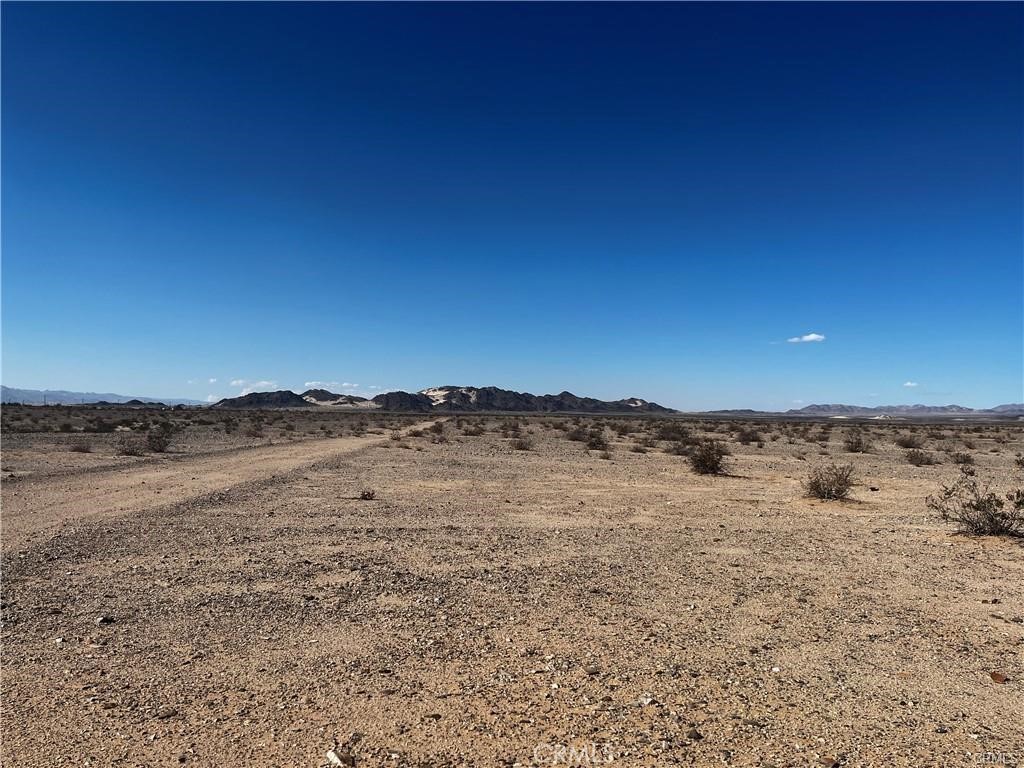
x: 35, y: 508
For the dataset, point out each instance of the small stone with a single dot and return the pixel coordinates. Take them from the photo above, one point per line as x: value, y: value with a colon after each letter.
x: 341, y: 757
x: 999, y: 677
x: 593, y: 669
x: 101, y: 620
x: 164, y: 712
x: 694, y: 735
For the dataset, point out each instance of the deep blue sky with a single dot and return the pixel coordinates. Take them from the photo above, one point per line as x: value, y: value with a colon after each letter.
x: 614, y: 199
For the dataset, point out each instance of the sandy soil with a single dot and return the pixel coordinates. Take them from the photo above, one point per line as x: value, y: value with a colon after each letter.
x: 499, y: 607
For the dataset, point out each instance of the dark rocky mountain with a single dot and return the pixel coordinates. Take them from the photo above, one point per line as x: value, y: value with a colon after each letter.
x: 403, y: 401
x: 281, y: 399
x: 452, y: 399
x: 323, y: 397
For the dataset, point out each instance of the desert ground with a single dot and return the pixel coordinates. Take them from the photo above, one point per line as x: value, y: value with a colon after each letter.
x: 484, y: 590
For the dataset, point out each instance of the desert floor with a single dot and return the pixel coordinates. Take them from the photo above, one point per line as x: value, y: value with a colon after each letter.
x: 240, y: 604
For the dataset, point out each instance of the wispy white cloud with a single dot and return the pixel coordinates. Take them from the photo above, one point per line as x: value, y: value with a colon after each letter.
x: 807, y: 337
x: 321, y: 384
x: 798, y: 402
x: 258, y: 386
x: 191, y: 381
x: 349, y: 385
x: 248, y: 387
x: 212, y: 398
x: 212, y: 381
x: 909, y: 383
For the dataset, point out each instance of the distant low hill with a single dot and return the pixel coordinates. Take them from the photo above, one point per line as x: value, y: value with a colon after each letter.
x: 323, y: 397
x: 446, y: 400
x: 832, y: 410
x: 903, y: 410
x: 64, y: 397
x: 283, y: 398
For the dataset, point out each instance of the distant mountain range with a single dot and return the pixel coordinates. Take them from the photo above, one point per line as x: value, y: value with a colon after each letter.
x: 64, y: 397
x: 446, y: 400
x: 452, y: 399
x: 837, y: 409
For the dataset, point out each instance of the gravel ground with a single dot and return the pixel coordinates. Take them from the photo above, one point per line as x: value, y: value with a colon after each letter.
x: 493, y: 606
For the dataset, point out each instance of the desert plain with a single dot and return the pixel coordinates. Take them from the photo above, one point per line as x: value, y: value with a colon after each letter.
x: 489, y: 590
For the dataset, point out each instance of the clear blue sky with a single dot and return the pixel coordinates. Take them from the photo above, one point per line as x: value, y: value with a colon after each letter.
x: 613, y: 199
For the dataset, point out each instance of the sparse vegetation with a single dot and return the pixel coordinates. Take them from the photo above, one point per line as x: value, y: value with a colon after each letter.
x: 80, y: 445
x: 909, y: 441
x: 831, y: 482
x: 128, y: 445
x: 158, y: 439
x: 367, y: 494
x: 708, y: 458
x: 920, y: 458
x: 978, y: 511
x: 856, y: 442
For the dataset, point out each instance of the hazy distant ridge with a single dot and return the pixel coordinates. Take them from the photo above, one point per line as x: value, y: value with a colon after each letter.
x: 65, y: 397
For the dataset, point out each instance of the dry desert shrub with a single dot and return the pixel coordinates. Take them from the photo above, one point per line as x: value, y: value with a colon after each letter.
x: 80, y: 445
x: 128, y: 445
x: 748, y: 436
x: 977, y: 511
x: 596, y: 441
x: 367, y: 494
x: 920, y: 458
x: 909, y: 441
x: 158, y: 440
x: 856, y: 442
x: 962, y: 458
x: 522, y: 444
x: 830, y: 482
x: 708, y: 458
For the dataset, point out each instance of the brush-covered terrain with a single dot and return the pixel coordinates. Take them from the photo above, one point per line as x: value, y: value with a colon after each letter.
x: 260, y: 588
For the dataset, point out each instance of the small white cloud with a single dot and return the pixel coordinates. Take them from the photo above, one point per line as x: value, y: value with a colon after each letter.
x: 248, y: 387
x: 806, y: 338
x: 798, y: 401
x: 909, y: 383
x: 191, y: 381
x: 320, y: 384
x: 212, y: 381
x: 212, y: 398
x: 374, y: 386
x: 348, y: 385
